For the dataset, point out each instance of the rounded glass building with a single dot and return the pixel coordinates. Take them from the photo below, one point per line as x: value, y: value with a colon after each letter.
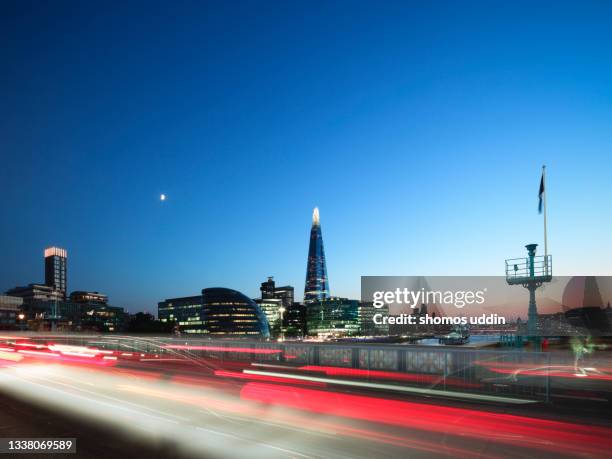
x: 228, y: 313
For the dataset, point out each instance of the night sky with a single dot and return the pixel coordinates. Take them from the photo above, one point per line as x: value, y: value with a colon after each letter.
x: 418, y: 129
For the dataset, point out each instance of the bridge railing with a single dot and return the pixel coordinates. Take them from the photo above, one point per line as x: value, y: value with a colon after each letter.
x: 491, y: 372
x: 521, y: 268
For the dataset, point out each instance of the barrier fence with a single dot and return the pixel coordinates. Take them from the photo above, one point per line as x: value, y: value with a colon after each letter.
x: 508, y: 373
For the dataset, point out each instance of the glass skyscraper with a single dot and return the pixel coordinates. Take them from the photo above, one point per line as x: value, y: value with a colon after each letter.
x: 317, y: 287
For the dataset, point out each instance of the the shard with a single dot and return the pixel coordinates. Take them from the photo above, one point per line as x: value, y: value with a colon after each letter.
x: 317, y: 287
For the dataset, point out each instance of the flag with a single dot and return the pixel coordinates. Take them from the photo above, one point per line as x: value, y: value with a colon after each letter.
x: 541, y: 193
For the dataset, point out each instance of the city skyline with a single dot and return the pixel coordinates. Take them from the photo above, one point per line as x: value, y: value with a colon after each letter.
x: 422, y: 145
x: 333, y: 229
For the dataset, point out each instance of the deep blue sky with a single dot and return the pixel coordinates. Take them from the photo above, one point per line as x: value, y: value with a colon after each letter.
x: 419, y: 129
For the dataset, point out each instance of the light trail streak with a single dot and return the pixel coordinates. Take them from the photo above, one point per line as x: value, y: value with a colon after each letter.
x: 517, y: 430
x: 256, y: 413
x: 38, y: 353
x: 37, y: 346
x: 397, y: 388
x: 250, y: 407
x: 248, y: 350
x: 10, y: 356
x: 555, y: 371
x: 390, y: 375
x: 266, y: 445
x: 237, y: 375
x: 42, y: 385
x: 43, y: 389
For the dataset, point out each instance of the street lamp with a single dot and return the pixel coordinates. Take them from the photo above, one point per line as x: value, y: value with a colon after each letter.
x: 21, y: 317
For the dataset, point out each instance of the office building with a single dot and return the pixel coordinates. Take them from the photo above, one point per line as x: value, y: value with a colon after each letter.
x: 55, y: 269
x: 34, y: 293
x: 316, y: 288
x: 88, y: 297
x: 45, y: 306
x: 275, y: 314
x: 278, y: 305
x: 102, y: 317
x: 269, y: 290
x: 333, y: 317
x: 295, y: 321
x: 10, y: 308
x: 367, y: 326
x: 68, y: 316
x: 185, y: 311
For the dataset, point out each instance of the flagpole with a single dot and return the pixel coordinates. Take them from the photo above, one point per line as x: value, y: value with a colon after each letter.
x: 545, y: 229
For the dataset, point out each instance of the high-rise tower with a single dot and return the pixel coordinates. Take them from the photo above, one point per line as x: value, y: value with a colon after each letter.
x: 55, y: 269
x: 317, y: 287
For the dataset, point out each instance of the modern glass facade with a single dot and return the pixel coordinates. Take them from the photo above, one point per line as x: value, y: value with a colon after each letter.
x: 186, y: 312
x: 229, y: 313
x: 272, y: 309
x: 316, y: 288
x: 367, y: 326
x: 218, y: 313
x: 333, y: 317
x: 295, y: 320
x: 281, y: 321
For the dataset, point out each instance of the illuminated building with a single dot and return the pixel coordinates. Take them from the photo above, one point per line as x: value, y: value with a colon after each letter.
x: 45, y: 306
x: 88, y: 297
x: 344, y: 317
x: 229, y: 313
x: 333, y: 317
x: 269, y: 290
x: 96, y: 314
x: 9, y: 311
x: 55, y: 269
x: 34, y: 293
x: 74, y: 316
x: 367, y: 326
x: 277, y: 303
x: 316, y: 288
x: 295, y: 320
x: 43, y: 315
x: 273, y: 309
x: 185, y: 311
x: 218, y: 313
x: 54, y: 288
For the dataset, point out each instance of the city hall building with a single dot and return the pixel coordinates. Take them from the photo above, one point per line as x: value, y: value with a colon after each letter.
x: 217, y: 313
